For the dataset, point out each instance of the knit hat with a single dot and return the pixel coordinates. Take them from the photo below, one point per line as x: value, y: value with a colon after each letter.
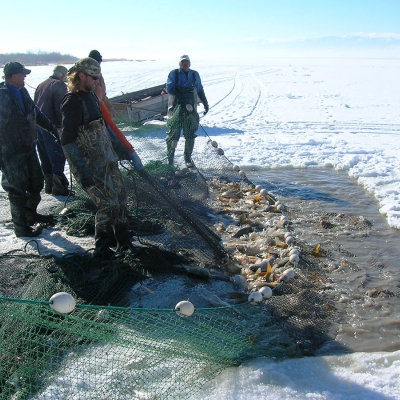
x: 96, y: 55
x: 60, y: 69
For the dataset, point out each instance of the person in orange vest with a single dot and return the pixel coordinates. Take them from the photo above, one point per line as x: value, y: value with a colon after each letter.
x: 100, y: 92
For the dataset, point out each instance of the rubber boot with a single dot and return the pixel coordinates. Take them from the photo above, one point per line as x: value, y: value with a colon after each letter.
x: 18, y: 216
x: 103, y: 241
x: 171, y: 146
x: 189, y: 145
x: 60, y: 186
x: 32, y: 216
x: 48, y: 183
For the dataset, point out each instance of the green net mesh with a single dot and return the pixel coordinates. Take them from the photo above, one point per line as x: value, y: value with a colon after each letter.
x: 199, y: 235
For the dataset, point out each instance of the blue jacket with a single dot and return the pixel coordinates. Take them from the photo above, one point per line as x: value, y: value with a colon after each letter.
x: 17, y: 126
x: 191, y: 81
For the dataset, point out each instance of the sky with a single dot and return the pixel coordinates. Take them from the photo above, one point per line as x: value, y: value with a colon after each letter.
x: 164, y: 29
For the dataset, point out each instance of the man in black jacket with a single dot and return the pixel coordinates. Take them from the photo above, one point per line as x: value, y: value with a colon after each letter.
x: 22, y: 177
x: 93, y: 155
x: 48, y: 97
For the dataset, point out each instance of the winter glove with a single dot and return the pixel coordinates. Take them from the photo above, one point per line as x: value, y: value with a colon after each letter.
x: 203, y: 99
x: 136, y: 162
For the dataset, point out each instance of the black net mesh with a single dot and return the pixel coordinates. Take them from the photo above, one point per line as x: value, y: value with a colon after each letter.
x: 203, y: 234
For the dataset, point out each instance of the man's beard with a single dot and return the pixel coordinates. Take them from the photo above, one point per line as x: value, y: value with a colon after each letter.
x: 89, y: 87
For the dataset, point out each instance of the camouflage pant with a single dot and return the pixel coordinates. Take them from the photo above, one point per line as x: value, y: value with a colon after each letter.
x: 179, y: 119
x: 109, y: 196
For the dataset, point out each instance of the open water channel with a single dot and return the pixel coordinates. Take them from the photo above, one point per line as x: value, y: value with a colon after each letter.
x: 363, y: 273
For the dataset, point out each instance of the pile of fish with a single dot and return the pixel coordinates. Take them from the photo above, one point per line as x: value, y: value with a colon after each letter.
x: 257, y: 236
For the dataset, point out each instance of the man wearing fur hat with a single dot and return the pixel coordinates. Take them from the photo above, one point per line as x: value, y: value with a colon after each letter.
x: 48, y: 97
x: 93, y: 155
x: 22, y: 177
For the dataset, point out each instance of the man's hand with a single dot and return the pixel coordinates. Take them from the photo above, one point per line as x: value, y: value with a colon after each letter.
x: 203, y: 98
x: 56, y: 134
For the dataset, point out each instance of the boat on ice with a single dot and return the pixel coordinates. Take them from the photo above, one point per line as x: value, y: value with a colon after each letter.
x: 142, y: 105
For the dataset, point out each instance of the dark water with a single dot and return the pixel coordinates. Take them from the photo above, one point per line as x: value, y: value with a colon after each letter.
x: 364, y: 273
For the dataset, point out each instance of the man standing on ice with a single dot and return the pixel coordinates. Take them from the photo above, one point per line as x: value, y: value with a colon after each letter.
x: 22, y: 177
x: 48, y: 97
x: 183, y: 87
x: 93, y: 155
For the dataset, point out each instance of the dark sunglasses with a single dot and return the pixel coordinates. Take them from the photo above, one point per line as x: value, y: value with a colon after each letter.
x: 95, y: 78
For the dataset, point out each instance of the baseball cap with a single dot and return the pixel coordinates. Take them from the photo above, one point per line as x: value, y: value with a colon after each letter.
x: 184, y: 57
x: 86, y: 65
x: 14, y: 67
x: 60, y: 69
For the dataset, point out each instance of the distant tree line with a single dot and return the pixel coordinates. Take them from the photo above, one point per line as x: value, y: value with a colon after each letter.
x: 39, y: 58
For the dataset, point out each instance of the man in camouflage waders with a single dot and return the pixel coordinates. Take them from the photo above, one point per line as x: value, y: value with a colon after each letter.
x: 183, y: 87
x: 93, y: 155
x: 22, y: 177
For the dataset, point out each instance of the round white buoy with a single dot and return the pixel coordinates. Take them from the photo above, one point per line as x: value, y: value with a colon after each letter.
x: 280, y: 207
x: 289, y: 240
x: 263, y: 192
x: 236, y: 168
x: 266, y: 292
x: 290, y: 273
x: 189, y: 107
x: 294, y: 251
x: 220, y: 151
x: 288, y: 234
x: 284, y: 218
x: 277, y: 203
x: 287, y: 275
x: 255, y: 297
x: 214, y: 144
x: 258, y: 188
x: 242, y: 174
x: 185, y: 308
x: 62, y: 302
x: 294, y: 258
x: 65, y: 211
x: 284, y: 278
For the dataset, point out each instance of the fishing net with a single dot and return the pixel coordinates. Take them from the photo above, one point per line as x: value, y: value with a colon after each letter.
x: 204, y: 234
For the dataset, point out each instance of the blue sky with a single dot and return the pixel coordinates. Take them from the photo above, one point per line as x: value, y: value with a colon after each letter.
x: 162, y: 29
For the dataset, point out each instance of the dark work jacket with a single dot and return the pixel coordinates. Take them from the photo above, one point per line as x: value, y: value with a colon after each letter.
x: 18, y: 131
x: 89, y: 138
x: 48, y: 97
